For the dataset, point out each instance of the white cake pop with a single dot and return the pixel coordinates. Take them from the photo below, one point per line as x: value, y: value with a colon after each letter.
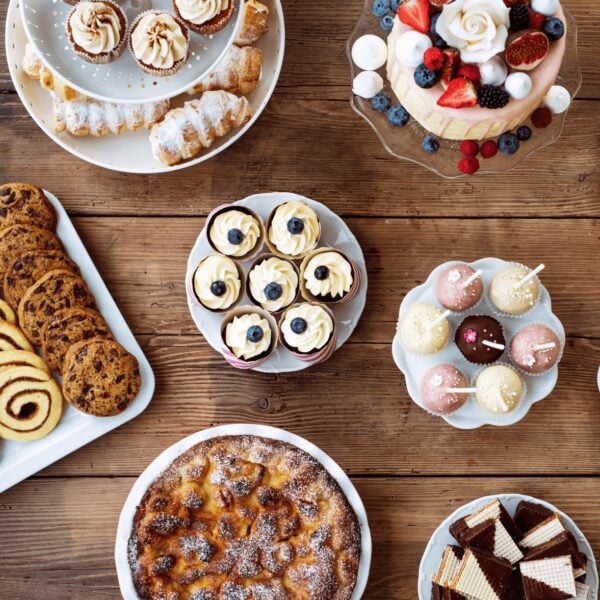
x: 493, y: 72
x: 367, y: 84
x: 369, y: 52
x: 546, y: 7
x: 411, y: 47
x: 518, y: 85
x: 558, y: 99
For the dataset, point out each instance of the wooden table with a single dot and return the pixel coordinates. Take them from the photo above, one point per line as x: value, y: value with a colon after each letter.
x: 57, y: 529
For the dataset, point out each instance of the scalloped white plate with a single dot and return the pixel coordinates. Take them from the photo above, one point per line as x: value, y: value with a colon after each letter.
x: 442, y: 536
x: 472, y: 415
x: 157, y: 466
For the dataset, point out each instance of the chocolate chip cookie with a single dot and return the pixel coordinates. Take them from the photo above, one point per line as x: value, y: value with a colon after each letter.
x: 100, y: 377
x: 67, y: 327
x: 24, y: 203
x: 56, y: 290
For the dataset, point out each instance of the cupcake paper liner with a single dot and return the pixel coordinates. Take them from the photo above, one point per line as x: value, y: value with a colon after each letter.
x: 506, y: 344
x: 527, y: 373
x: 257, y: 261
x: 211, y: 26
x: 273, y: 249
x: 496, y: 415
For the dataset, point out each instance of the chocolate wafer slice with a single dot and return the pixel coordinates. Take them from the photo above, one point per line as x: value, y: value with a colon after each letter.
x: 542, y: 533
x: 449, y: 565
x: 562, y: 545
x: 583, y: 591
x: 482, y: 576
x: 492, y: 511
x: 548, y: 579
x: 491, y: 536
x: 529, y: 515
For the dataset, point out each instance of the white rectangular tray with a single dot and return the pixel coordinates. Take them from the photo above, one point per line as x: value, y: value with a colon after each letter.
x: 20, y: 460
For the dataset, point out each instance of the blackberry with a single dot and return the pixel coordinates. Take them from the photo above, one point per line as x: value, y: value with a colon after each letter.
x: 491, y: 96
x: 519, y: 17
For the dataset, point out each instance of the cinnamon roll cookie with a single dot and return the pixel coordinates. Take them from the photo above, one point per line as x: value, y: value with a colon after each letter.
x: 293, y: 230
x: 25, y: 204
x: 7, y: 313
x: 12, y: 338
x: 22, y: 358
x: 205, y: 16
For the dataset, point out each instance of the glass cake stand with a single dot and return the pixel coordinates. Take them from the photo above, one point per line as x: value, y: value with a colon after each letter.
x: 405, y: 142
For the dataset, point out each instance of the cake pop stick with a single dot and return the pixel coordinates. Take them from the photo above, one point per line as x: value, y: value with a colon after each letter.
x: 438, y: 319
x: 471, y: 279
x: 493, y: 345
x: 547, y: 346
x: 459, y: 390
x: 530, y: 275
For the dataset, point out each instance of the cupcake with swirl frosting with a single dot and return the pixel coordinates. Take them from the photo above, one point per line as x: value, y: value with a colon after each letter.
x: 235, y: 231
x: 159, y: 43
x: 204, y: 16
x: 273, y: 282
x: 293, y: 230
x: 217, y: 283
x: 97, y: 31
x: 308, y: 331
x: 249, y: 336
x: 326, y: 275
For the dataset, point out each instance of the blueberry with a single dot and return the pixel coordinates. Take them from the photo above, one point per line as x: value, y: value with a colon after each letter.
x: 431, y: 144
x: 254, y: 334
x: 387, y: 22
x: 381, y: 103
x: 508, y: 143
x: 273, y: 291
x: 439, y: 42
x: 235, y: 237
x: 524, y: 133
x: 394, y: 4
x: 380, y: 7
x: 218, y: 288
x: 298, y: 325
x: 554, y: 28
x: 433, y: 24
x: 398, y: 115
x: 295, y: 225
x: 321, y: 273
x: 425, y: 77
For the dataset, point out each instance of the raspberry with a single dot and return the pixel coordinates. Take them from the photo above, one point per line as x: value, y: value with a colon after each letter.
x: 536, y: 20
x: 489, y: 149
x: 469, y: 148
x: 434, y: 59
x: 468, y: 165
x: 469, y: 72
x: 541, y: 117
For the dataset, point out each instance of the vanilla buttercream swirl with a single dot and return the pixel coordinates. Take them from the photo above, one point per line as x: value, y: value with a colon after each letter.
x: 157, y: 40
x: 236, y: 336
x: 319, y: 327
x: 201, y: 11
x: 95, y: 27
x: 294, y: 244
x: 217, y: 273
x: 477, y: 28
x: 339, y: 275
x: 277, y: 271
x: 230, y: 220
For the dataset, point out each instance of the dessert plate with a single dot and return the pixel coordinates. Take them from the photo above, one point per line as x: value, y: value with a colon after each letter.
x: 121, y: 80
x: 405, y: 142
x: 471, y: 415
x: 131, y: 152
x: 164, y: 459
x: 442, y: 536
x: 335, y: 233
x: 19, y: 460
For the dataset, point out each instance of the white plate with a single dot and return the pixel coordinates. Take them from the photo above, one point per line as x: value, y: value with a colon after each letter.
x: 131, y: 152
x: 19, y: 460
x: 164, y: 459
x: 472, y: 415
x: 442, y: 537
x: 334, y: 233
x: 121, y: 80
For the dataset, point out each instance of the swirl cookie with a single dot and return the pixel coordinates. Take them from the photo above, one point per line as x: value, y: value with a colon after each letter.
x: 273, y: 283
x: 218, y: 283
x: 27, y: 268
x: 7, y: 313
x: 328, y: 276
x: 67, y: 327
x: 100, y: 377
x: 293, y: 230
x: 54, y: 291
x: 12, y: 338
x: 25, y: 204
x: 22, y: 358
x: 235, y: 231
x: 204, y: 16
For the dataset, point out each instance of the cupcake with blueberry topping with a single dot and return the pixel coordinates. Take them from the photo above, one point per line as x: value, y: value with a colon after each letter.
x: 293, y: 230
x: 217, y: 283
x: 308, y: 331
x: 273, y: 283
x: 204, y: 16
x: 235, y: 231
x: 326, y: 275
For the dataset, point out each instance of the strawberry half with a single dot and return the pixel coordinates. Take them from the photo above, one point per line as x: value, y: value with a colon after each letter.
x: 461, y: 93
x: 451, y: 65
x: 415, y: 14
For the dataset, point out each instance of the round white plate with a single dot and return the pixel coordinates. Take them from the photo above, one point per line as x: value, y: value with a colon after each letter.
x: 442, y: 537
x: 472, y: 415
x: 164, y: 459
x: 121, y: 80
x: 131, y: 152
x: 334, y: 233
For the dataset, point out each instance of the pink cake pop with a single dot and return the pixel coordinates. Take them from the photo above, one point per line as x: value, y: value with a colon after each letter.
x: 535, y: 348
x: 459, y: 287
x: 436, y: 388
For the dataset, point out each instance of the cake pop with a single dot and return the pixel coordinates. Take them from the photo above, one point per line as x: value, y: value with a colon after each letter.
x: 459, y: 287
x: 515, y: 290
x: 535, y: 348
x: 438, y: 389
x: 480, y: 339
x: 498, y: 389
x: 424, y: 329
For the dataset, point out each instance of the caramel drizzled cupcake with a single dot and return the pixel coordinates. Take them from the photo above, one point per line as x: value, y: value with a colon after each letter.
x: 308, y: 331
x: 204, y: 16
x: 159, y: 43
x: 273, y: 283
x: 97, y: 30
x: 217, y: 283
x: 293, y: 230
x: 235, y: 231
x: 328, y: 276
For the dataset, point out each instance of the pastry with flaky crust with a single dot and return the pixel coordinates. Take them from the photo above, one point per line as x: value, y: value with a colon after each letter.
x: 245, y: 517
x: 254, y: 23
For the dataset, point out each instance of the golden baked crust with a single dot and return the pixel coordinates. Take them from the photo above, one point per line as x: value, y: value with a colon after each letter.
x: 244, y: 518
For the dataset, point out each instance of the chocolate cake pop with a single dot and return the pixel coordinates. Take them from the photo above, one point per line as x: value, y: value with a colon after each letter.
x: 424, y: 329
x: 480, y: 339
x: 499, y: 389
x: 437, y: 389
x: 535, y: 348
x: 459, y: 287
